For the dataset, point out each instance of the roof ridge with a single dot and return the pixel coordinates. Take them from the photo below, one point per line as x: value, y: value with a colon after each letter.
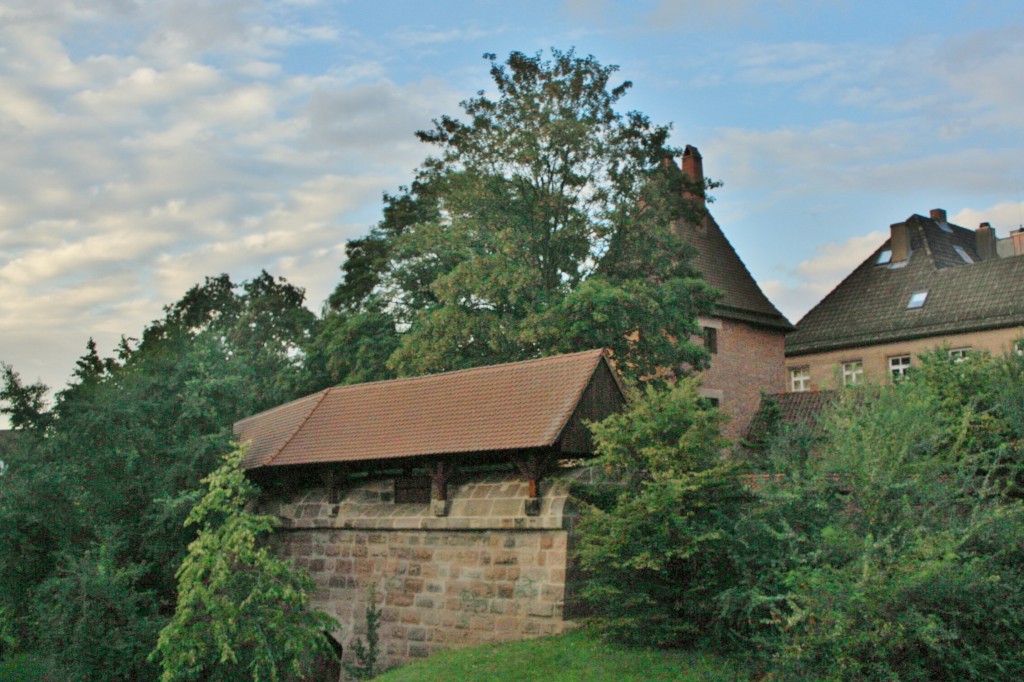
x: 280, y: 407
x: 323, y: 395
x: 479, y: 368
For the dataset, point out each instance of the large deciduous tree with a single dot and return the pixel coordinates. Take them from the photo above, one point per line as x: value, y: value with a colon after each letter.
x: 541, y: 224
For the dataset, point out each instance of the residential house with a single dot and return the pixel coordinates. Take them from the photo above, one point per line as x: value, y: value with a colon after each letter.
x: 931, y: 284
x: 446, y: 493
x: 746, y: 334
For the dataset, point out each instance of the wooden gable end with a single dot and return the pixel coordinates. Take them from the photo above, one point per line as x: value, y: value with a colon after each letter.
x: 602, y: 396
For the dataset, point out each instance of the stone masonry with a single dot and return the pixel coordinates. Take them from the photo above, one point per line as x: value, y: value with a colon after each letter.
x: 485, y: 571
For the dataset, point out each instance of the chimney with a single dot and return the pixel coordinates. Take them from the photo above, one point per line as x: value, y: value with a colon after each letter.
x: 899, y: 241
x: 985, y: 241
x: 1018, y: 241
x: 693, y: 168
x: 938, y: 215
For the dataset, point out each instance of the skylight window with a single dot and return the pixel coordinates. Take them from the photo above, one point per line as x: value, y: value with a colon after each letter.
x: 917, y: 300
x: 944, y: 226
x: 884, y: 257
x: 963, y: 254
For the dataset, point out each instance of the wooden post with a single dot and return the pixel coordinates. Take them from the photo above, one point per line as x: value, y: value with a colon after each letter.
x: 532, y: 467
x: 440, y: 472
x: 330, y: 479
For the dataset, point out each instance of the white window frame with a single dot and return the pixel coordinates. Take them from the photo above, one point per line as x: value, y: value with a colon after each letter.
x: 959, y: 355
x: 899, y: 366
x: 799, y: 379
x: 917, y: 300
x: 853, y: 372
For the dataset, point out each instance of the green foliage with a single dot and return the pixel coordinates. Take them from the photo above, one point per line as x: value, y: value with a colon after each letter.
x: 118, y: 460
x: 365, y: 667
x: 241, y: 613
x: 26, y: 668
x: 25, y: 405
x: 542, y: 225
x: 7, y: 636
x: 660, y: 556
x: 901, y: 552
x: 99, y: 622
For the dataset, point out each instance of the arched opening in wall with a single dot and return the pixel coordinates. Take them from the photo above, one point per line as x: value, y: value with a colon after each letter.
x: 328, y: 668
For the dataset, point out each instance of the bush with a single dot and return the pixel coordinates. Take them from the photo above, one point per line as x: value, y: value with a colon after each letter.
x: 242, y: 613
x: 906, y: 553
x: 662, y: 555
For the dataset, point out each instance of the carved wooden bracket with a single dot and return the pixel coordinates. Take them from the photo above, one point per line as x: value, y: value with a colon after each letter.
x: 533, y: 467
x: 440, y: 472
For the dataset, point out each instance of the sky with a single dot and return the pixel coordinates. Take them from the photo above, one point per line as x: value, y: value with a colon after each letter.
x: 148, y: 144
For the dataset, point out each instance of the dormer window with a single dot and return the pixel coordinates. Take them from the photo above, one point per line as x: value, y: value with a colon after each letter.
x: 884, y: 257
x: 966, y: 257
x: 917, y: 300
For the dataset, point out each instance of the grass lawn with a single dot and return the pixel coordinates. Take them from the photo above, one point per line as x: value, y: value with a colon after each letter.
x: 578, y: 656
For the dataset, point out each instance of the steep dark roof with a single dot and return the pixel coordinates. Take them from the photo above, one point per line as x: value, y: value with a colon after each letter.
x: 722, y: 268
x: 501, y: 407
x: 870, y: 305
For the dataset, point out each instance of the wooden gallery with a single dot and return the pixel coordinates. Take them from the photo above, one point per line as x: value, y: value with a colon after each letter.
x: 445, y: 494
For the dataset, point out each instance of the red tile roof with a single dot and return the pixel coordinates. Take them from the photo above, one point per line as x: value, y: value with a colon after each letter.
x: 500, y: 407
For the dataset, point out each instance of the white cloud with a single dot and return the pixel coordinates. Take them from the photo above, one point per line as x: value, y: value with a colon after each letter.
x: 812, y: 279
x: 1004, y: 217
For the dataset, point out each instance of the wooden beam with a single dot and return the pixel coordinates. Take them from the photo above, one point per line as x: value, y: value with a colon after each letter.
x: 440, y: 472
x: 533, y: 467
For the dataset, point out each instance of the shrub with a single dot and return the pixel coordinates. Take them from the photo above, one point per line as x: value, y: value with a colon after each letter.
x: 242, y: 613
x: 907, y: 562
x: 660, y: 555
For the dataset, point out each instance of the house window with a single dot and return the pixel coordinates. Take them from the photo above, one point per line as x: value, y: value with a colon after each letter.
x: 412, y: 488
x: 964, y: 256
x: 899, y: 366
x: 917, y: 300
x: 884, y: 258
x: 959, y: 355
x: 800, y: 379
x: 853, y: 372
x: 711, y: 339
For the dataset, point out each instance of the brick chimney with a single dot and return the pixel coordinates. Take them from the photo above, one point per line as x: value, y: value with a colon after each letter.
x: 1018, y: 241
x: 899, y: 241
x: 985, y: 241
x: 938, y: 215
x: 693, y: 168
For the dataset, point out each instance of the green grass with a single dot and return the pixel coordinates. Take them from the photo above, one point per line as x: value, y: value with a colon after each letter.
x: 579, y: 656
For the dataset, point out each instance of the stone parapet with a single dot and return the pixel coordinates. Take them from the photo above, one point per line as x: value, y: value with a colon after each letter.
x: 491, y: 502
x: 484, y: 572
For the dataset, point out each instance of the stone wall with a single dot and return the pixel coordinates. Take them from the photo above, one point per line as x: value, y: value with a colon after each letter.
x: 484, y: 572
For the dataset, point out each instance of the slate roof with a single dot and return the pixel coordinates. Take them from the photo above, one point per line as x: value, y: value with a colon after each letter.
x: 501, y: 407
x: 723, y: 269
x: 870, y: 305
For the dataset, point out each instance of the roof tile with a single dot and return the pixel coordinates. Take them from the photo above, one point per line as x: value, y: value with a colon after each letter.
x: 500, y: 407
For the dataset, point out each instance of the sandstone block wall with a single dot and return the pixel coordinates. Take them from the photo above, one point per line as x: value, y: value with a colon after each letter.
x: 825, y: 367
x: 485, y: 572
